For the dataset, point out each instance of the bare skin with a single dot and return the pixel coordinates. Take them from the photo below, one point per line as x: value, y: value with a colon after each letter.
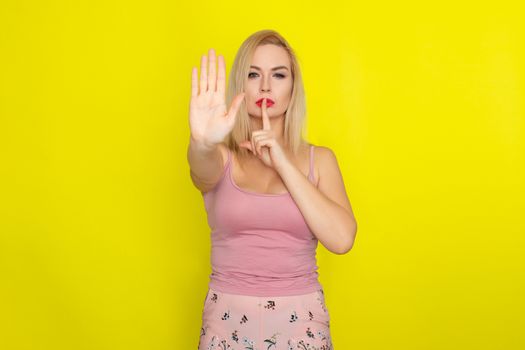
x: 258, y: 173
x: 274, y: 84
x: 272, y: 169
x: 269, y: 77
x: 265, y: 81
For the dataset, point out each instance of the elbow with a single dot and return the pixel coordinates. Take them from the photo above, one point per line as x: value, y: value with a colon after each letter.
x: 344, y: 248
x: 347, y: 243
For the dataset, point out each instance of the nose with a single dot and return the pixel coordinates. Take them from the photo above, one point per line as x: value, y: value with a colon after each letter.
x: 265, y: 85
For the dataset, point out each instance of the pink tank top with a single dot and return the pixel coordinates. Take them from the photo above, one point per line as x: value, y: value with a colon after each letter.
x: 260, y: 243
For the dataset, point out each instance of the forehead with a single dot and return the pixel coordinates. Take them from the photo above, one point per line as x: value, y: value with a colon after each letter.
x: 269, y: 55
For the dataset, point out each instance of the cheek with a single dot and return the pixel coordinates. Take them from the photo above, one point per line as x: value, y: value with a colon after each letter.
x: 285, y: 93
x: 284, y: 98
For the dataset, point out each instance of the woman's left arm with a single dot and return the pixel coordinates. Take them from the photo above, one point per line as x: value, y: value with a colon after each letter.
x: 326, y: 208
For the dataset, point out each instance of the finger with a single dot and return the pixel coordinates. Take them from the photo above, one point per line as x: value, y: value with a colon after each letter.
x: 261, y: 142
x: 194, y: 82
x: 265, y: 119
x: 259, y: 148
x: 221, y: 78
x: 204, y: 75
x: 212, y: 75
x: 234, y: 108
x: 255, y: 139
x: 247, y: 145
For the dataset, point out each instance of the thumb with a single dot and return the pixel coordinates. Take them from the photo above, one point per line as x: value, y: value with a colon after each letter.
x: 246, y: 144
x: 236, y: 104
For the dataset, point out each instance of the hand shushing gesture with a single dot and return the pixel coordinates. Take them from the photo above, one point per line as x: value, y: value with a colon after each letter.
x: 263, y: 143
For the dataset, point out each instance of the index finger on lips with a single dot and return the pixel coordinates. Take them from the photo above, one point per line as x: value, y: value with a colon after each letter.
x: 265, y: 118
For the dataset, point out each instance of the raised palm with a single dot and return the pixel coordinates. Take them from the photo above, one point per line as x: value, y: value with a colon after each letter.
x: 210, y: 121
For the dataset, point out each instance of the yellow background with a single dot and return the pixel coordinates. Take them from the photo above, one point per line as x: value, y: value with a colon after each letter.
x: 103, y: 238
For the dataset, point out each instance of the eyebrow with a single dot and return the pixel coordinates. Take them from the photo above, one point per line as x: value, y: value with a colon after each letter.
x: 274, y: 68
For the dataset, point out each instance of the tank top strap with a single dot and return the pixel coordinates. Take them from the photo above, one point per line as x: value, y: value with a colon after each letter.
x: 227, y: 167
x: 311, y: 173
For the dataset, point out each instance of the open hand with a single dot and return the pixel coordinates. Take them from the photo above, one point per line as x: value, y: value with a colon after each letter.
x: 210, y: 122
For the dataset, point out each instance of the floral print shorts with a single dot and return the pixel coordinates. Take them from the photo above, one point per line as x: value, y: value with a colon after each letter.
x: 242, y: 322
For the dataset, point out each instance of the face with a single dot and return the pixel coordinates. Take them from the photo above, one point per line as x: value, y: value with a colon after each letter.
x: 266, y: 80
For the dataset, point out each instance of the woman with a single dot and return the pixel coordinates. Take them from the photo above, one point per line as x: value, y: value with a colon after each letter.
x: 268, y: 203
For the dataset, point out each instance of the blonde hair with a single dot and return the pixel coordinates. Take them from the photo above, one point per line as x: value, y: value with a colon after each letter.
x: 295, y: 115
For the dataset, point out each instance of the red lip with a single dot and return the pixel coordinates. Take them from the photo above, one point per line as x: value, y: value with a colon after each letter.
x: 269, y: 102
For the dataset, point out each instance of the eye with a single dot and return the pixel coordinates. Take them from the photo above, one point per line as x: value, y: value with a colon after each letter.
x: 281, y: 76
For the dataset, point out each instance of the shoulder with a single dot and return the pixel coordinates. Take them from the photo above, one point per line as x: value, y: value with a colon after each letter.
x: 331, y: 181
x: 323, y: 152
x: 324, y: 156
x: 326, y: 165
x: 324, y: 159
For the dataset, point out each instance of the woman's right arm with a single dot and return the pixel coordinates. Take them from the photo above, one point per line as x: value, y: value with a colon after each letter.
x: 206, y: 164
x: 210, y: 123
